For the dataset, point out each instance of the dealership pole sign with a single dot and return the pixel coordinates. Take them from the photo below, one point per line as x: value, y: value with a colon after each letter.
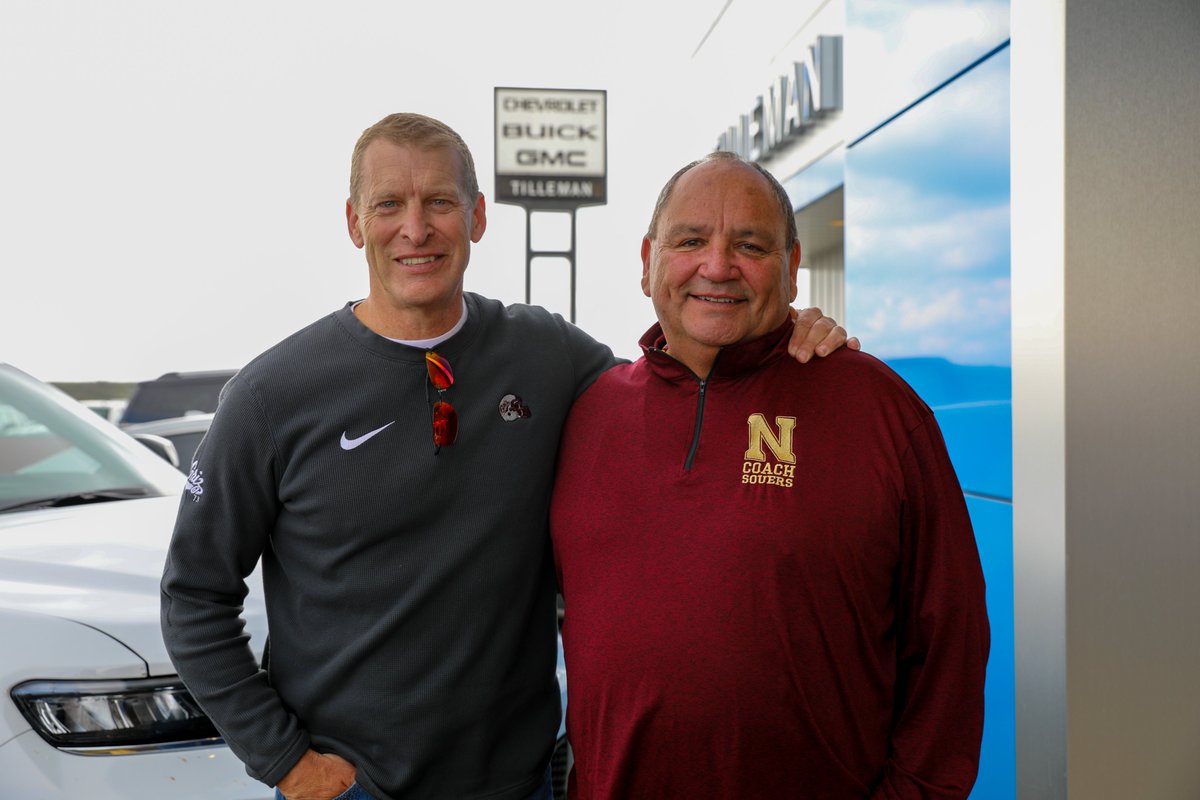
x: 550, y: 147
x: 551, y: 155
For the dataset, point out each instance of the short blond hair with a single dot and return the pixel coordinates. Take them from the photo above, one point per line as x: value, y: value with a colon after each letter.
x: 414, y: 130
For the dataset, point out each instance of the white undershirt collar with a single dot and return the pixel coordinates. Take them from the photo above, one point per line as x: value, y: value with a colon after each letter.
x: 428, y: 344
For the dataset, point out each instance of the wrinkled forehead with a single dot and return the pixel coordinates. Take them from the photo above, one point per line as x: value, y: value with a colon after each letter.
x: 385, y: 159
x: 727, y: 195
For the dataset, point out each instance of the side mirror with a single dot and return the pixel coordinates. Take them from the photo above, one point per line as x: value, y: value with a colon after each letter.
x: 160, y: 447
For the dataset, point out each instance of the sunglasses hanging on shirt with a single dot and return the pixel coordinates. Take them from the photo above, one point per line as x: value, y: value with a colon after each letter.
x: 445, y: 418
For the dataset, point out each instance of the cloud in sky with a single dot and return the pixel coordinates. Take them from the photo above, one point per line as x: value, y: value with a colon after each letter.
x: 928, y: 252
x: 967, y: 323
x: 902, y: 50
x: 940, y: 238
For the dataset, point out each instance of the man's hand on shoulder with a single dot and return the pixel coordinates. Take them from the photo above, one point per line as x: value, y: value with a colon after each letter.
x: 317, y: 776
x: 817, y: 333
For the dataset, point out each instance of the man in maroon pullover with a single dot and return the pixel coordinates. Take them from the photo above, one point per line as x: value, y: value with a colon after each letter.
x: 772, y: 587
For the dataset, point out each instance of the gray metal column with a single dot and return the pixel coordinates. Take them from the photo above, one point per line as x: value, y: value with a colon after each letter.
x: 1106, y: 397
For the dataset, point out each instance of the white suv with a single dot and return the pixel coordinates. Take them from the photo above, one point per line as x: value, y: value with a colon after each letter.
x: 89, y: 702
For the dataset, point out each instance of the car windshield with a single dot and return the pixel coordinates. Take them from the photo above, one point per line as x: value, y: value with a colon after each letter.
x: 54, y: 451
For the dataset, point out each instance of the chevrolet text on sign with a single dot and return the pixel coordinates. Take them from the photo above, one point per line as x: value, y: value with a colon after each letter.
x: 550, y: 147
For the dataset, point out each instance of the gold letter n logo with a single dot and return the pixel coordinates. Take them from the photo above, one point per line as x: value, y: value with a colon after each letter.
x: 761, y: 433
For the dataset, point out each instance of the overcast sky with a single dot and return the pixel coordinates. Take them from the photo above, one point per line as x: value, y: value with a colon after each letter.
x: 173, y: 176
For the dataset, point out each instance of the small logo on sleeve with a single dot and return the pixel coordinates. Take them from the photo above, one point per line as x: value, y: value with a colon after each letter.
x: 195, y: 482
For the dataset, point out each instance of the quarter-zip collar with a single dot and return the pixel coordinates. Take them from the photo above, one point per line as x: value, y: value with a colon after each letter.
x: 731, y: 361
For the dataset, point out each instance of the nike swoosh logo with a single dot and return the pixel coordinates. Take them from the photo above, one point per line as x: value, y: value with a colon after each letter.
x: 350, y: 444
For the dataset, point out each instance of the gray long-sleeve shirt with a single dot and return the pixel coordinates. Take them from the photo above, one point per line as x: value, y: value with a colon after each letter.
x: 410, y: 595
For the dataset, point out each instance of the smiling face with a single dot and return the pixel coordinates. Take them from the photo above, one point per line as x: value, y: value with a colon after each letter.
x: 416, y: 224
x: 718, y: 267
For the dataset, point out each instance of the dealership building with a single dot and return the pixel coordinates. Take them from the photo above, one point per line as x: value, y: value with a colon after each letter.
x: 999, y: 197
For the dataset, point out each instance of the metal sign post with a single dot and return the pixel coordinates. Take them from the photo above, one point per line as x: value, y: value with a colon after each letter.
x: 551, y: 155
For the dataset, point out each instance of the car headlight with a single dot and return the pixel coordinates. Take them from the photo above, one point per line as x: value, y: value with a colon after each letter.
x: 115, y: 717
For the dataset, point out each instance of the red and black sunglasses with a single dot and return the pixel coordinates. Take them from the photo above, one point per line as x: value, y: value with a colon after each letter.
x: 445, y: 418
